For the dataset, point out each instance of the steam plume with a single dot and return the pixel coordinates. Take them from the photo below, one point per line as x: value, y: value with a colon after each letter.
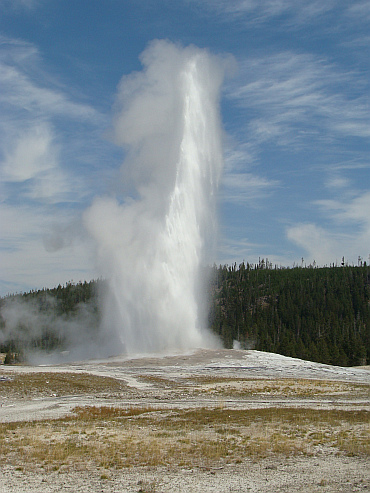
x: 154, y: 235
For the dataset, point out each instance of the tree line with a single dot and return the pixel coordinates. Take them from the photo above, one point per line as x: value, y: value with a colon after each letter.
x: 35, y: 320
x: 318, y: 314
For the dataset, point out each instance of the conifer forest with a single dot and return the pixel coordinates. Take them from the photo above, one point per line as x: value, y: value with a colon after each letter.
x: 318, y: 314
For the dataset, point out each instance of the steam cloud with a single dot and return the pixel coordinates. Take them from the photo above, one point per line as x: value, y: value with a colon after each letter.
x: 151, y: 244
x: 152, y: 237
x: 27, y: 321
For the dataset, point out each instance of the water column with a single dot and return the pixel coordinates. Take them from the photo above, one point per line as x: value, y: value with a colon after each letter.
x: 151, y: 246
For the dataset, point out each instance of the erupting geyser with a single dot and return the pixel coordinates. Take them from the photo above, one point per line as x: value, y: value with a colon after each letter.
x: 154, y: 236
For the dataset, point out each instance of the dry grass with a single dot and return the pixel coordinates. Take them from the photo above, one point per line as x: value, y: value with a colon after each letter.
x: 113, y: 437
x: 284, y: 387
x: 28, y: 385
x: 251, y: 387
x: 43, y: 384
x: 117, y: 437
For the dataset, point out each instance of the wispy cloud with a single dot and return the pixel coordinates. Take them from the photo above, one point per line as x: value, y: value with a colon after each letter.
x: 337, y: 182
x: 305, y: 106
x: 31, y: 248
x: 347, y: 234
x: 294, y: 97
x: 240, y: 248
x: 45, y: 134
x: 359, y: 10
x: 16, y: 5
x: 34, y: 115
x: 236, y: 250
x: 288, y: 11
x: 32, y: 159
x: 23, y: 85
x: 241, y: 182
x: 246, y: 188
x: 355, y: 211
x: 30, y: 155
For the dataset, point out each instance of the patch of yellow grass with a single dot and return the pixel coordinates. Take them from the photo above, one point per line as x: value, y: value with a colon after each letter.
x: 25, y: 385
x: 284, y: 387
x: 111, y: 437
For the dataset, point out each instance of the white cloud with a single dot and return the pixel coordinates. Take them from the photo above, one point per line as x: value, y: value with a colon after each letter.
x: 348, y: 232
x: 337, y: 182
x: 32, y: 153
x: 32, y: 161
x: 25, y: 263
x: 356, y: 210
x: 246, y: 188
x: 355, y: 128
x: 16, y: 224
x: 40, y: 152
x: 35, y: 117
x: 318, y: 243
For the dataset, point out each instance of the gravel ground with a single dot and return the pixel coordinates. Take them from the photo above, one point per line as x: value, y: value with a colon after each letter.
x: 147, y: 382
x: 306, y: 474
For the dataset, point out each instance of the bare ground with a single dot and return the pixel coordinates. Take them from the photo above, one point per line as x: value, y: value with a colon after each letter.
x: 211, y: 421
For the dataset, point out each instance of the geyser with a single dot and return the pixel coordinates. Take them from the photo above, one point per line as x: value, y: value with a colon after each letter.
x: 154, y: 235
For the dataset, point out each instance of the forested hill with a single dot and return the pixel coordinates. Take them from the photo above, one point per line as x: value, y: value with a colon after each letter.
x: 319, y: 314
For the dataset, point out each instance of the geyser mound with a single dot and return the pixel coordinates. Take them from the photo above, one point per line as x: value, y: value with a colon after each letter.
x: 154, y: 235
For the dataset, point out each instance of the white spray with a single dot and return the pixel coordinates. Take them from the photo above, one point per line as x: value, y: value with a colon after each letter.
x: 152, y: 243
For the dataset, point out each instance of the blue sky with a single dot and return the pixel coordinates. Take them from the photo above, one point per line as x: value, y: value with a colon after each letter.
x: 295, y: 112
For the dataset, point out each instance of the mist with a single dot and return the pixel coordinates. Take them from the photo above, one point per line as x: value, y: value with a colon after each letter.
x: 158, y: 230
x: 39, y: 329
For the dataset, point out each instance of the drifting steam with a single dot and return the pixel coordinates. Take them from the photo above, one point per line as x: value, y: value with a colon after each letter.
x: 37, y: 326
x: 151, y: 244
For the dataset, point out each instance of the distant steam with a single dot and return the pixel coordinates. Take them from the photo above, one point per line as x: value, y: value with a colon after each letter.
x: 39, y: 328
x: 153, y: 238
